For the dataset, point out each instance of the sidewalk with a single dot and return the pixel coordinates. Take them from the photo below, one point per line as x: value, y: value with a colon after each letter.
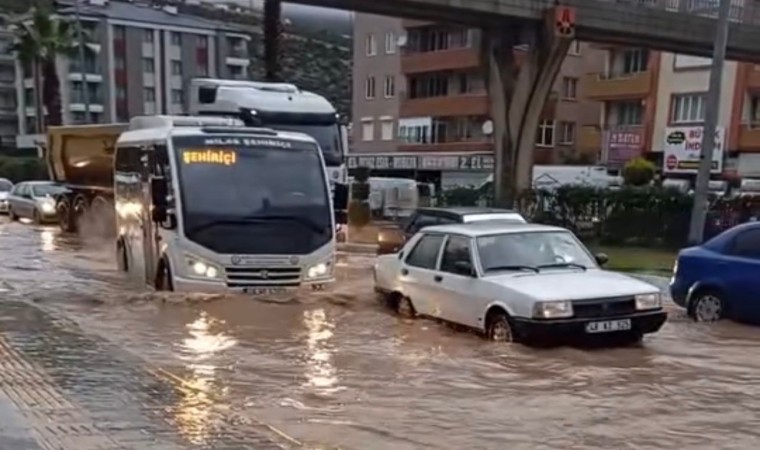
x: 64, y: 389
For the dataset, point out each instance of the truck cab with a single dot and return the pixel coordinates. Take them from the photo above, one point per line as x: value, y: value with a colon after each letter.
x: 207, y: 204
x: 284, y: 107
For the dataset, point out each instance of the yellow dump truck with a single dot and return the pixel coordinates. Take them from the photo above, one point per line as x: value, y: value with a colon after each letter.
x: 81, y: 157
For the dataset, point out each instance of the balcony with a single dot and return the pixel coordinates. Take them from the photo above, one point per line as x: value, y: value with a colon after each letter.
x: 445, y: 106
x: 597, y: 87
x: 443, y: 147
x: 749, y: 138
x: 452, y: 59
x: 589, y: 139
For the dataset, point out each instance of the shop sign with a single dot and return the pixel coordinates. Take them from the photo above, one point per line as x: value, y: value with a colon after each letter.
x: 423, y: 162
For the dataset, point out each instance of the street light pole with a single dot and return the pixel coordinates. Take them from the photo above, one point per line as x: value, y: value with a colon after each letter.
x: 699, y: 209
x: 82, y: 68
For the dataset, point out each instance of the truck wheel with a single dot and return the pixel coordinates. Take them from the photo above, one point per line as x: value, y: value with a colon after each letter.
x: 78, y: 212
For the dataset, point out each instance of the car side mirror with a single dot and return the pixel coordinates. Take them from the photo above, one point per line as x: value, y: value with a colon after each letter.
x: 601, y: 258
x: 464, y: 268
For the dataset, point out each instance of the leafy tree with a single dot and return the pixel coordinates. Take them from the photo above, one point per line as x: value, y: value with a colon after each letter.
x: 39, y: 42
x: 639, y: 172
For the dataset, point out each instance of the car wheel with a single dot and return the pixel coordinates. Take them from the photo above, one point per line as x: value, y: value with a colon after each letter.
x: 498, y: 328
x: 404, y: 308
x: 12, y: 215
x: 707, y: 306
x: 36, y: 219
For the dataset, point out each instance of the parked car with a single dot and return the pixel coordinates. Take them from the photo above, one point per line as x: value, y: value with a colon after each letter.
x: 390, y: 239
x: 719, y: 279
x: 34, y: 200
x: 516, y: 282
x: 5, y: 189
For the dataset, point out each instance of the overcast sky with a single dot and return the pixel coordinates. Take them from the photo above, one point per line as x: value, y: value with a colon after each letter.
x: 333, y: 17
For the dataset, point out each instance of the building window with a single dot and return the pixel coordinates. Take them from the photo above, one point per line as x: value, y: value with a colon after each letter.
x: 387, y: 130
x: 567, y: 133
x: 754, y: 110
x: 369, y: 88
x: 176, y: 38
x: 148, y: 36
x: 368, y: 131
x: 371, y: 45
x: 177, y: 96
x: 149, y: 66
x: 390, y: 86
x: 545, y: 136
x: 628, y: 113
x: 432, y: 85
x: 569, y: 88
x: 688, y: 108
x: 119, y: 32
x: 390, y: 43
x: 635, y: 61
x: 176, y: 68
x: 414, y: 134
x: 149, y: 94
x: 575, y: 48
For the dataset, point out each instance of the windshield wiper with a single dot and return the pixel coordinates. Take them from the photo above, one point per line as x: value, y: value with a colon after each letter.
x: 514, y: 267
x: 562, y: 265
x: 314, y: 226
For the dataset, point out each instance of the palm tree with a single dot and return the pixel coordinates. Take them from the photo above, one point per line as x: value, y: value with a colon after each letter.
x: 272, y: 35
x: 39, y: 42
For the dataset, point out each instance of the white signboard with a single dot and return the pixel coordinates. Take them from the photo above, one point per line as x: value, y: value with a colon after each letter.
x: 682, y: 148
x: 691, y: 62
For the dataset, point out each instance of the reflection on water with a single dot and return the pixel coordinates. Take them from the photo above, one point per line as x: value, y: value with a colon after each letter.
x: 47, y: 237
x: 321, y: 375
x: 201, y: 393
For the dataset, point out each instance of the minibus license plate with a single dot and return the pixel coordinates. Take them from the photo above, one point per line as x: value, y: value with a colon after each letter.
x: 265, y: 290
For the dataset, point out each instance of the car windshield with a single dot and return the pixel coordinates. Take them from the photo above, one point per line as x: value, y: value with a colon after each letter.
x: 536, y: 250
x: 508, y: 217
x: 5, y: 185
x: 46, y: 190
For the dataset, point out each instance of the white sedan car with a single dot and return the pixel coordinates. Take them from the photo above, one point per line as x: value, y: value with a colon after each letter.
x: 515, y: 282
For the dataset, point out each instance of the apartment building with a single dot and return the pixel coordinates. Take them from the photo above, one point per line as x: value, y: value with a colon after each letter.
x: 139, y: 60
x: 649, y: 98
x: 420, y: 102
x: 8, y: 117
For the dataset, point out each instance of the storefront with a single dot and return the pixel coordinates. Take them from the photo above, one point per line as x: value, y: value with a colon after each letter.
x: 445, y: 170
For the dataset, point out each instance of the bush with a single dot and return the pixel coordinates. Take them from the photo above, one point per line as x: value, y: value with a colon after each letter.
x: 359, y: 214
x: 639, y: 172
x: 25, y: 168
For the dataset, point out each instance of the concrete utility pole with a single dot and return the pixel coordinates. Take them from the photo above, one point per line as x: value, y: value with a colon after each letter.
x: 699, y: 210
x: 83, y: 69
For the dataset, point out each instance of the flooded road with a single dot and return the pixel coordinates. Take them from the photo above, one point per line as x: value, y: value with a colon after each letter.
x: 335, y: 370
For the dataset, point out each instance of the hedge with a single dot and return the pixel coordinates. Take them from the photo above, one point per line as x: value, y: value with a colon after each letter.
x: 642, y: 216
x: 22, y: 168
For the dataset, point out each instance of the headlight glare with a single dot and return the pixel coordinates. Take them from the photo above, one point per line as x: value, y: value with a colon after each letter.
x: 648, y: 301
x: 202, y: 269
x: 553, y: 310
x: 47, y: 207
x: 318, y: 270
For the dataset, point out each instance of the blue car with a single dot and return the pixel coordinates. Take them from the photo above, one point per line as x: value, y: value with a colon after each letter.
x: 721, y: 278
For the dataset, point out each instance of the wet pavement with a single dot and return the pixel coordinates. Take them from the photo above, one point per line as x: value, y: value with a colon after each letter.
x: 89, y: 361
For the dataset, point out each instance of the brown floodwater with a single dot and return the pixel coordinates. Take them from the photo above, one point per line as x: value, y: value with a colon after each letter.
x: 334, y: 369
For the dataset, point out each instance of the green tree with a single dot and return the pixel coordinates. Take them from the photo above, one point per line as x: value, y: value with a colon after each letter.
x: 272, y: 35
x: 639, y: 172
x: 39, y: 42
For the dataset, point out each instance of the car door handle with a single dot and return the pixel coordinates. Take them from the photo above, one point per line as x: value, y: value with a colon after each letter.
x: 438, y: 278
x: 404, y: 272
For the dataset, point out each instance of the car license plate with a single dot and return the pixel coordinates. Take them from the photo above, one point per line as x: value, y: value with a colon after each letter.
x: 265, y: 290
x: 608, y: 326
